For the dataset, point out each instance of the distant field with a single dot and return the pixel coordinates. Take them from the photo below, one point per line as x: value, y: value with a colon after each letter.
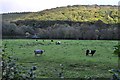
x: 71, y: 53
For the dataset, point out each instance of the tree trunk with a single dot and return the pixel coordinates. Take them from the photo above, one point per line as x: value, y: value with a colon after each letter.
x: 119, y: 60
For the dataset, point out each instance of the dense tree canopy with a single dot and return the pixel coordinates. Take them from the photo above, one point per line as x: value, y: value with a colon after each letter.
x: 71, y: 22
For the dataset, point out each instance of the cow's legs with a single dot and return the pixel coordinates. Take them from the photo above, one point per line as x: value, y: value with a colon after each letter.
x: 86, y: 54
x: 92, y: 54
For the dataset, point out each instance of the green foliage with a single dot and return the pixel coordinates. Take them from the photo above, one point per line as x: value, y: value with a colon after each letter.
x: 117, y: 50
x: 116, y: 74
x: 12, y: 70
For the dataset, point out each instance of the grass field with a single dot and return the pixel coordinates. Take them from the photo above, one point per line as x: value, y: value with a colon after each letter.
x: 71, y: 53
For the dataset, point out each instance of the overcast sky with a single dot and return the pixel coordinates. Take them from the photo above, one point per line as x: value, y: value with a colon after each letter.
x: 38, y: 5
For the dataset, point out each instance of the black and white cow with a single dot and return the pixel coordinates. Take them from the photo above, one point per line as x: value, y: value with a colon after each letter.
x: 39, y: 51
x: 58, y: 42
x: 92, y: 52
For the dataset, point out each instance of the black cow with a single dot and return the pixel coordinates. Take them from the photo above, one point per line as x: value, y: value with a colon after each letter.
x: 51, y: 40
x: 92, y: 52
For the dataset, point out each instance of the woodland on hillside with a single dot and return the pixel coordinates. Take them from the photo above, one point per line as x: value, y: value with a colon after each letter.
x: 71, y: 22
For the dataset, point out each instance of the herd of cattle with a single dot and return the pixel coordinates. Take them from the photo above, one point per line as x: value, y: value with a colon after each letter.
x: 39, y: 51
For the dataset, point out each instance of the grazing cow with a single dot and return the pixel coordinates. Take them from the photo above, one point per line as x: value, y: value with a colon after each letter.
x: 36, y: 39
x: 90, y: 52
x: 51, y: 40
x: 39, y: 52
x: 58, y: 43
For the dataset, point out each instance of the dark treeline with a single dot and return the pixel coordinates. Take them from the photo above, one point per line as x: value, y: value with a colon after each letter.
x: 60, y: 30
x: 70, y: 22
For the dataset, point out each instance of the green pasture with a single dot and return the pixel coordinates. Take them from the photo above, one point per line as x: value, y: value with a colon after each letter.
x: 71, y: 53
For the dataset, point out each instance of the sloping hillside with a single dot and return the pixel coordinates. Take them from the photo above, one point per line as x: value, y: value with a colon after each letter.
x: 108, y: 14
x: 14, y: 16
